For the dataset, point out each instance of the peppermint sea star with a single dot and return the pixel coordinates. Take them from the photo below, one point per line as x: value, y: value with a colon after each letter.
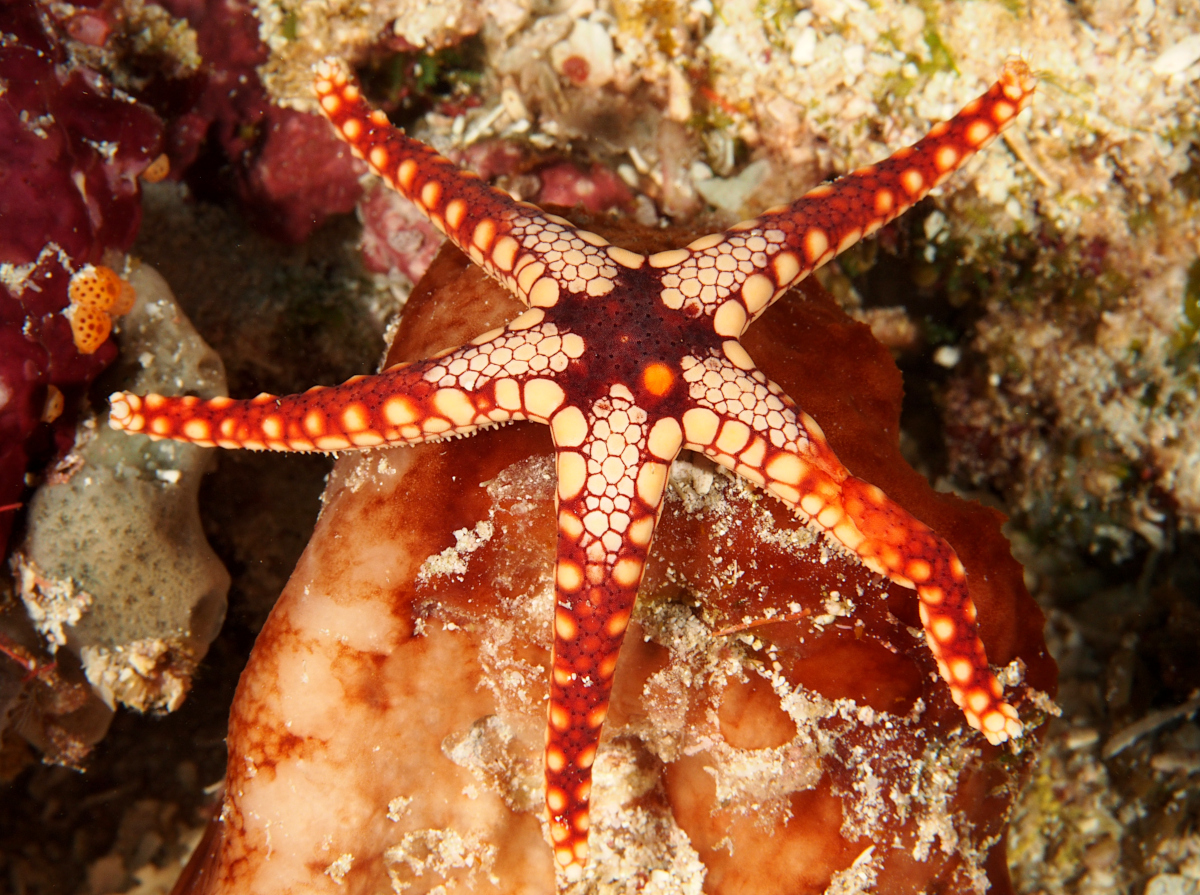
x: 629, y: 359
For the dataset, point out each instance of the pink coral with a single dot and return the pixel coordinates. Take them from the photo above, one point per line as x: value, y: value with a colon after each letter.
x: 597, y: 189
x: 397, y: 236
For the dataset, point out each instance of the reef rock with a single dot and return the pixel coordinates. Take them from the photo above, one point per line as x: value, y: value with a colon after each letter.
x: 777, y: 723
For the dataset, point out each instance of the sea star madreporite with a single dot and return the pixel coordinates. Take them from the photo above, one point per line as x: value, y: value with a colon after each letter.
x: 629, y: 359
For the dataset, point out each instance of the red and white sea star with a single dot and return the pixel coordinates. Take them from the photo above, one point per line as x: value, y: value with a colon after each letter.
x: 630, y: 359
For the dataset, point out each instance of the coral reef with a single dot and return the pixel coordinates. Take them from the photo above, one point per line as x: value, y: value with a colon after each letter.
x: 1084, y: 412
x: 102, y: 550
x: 1049, y: 305
x: 46, y: 704
x: 414, y: 675
x: 1113, y: 802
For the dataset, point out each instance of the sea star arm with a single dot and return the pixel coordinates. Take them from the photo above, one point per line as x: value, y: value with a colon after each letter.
x: 506, y: 374
x: 536, y: 255
x: 748, y: 424
x: 738, y: 274
x: 612, y: 463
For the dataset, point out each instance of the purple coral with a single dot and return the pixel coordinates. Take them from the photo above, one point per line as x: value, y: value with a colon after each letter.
x: 70, y: 155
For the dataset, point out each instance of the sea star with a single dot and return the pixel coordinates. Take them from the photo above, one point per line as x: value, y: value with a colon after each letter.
x: 629, y: 359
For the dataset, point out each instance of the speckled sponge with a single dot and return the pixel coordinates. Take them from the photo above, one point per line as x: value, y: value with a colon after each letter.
x: 115, y: 565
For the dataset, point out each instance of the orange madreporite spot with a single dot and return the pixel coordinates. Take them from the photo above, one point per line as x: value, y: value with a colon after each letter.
x: 658, y: 379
